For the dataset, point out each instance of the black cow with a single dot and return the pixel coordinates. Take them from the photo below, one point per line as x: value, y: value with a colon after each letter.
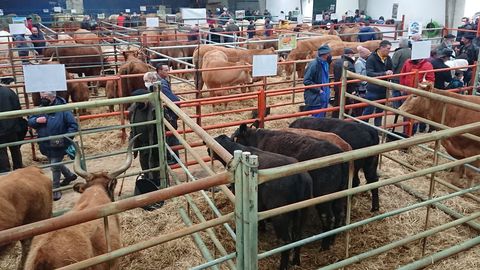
x: 325, y: 180
x: 277, y: 193
x: 358, y: 136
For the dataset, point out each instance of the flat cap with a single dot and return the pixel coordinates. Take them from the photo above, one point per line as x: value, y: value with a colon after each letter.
x: 324, y: 49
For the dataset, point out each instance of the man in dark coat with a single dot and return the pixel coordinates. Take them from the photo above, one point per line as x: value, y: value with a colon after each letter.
x: 317, y: 73
x: 379, y: 63
x: 347, y: 56
x: 11, y: 130
x: 469, y: 52
x: 442, y: 78
x: 366, y: 33
x: 38, y: 40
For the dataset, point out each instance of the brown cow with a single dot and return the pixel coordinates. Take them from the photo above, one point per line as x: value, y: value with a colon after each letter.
x: 64, y: 39
x: 111, y: 92
x: 234, y: 55
x: 349, y: 33
x: 83, y: 241
x: 86, y: 60
x: 228, y: 77
x: 338, y: 46
x: 326, y: 136
x: 458, y: 146
x: 25, y: 197
x: 303, y: 50
x: 83, y: 36
x: 133, y: 65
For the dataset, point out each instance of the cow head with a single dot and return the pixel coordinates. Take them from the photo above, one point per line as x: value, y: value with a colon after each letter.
x: 107, y: 180
x: 245, y: 135
x: 418, y: 105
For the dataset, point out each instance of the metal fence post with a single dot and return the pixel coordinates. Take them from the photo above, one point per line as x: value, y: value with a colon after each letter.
x: 239, y: 242
x: 476, y: 76
x: 250, y: 210
x: 343, y: 89
x: 162, y: 150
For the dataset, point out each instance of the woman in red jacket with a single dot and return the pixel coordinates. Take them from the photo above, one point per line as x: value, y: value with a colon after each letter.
x: 409, y: 80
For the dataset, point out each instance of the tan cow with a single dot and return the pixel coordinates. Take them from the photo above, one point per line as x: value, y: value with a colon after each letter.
x: 151, y: 37
x: 349, y: 33
x: 338, y: 46
x: 65, y: 39
x: 83, y: 241
x: 234, y: 55
x: 25, y: 197
x: 222, y: 78
x: 83, y: 36
x: 303, y: 50
x: 458, y: 146
x: 326, y: 136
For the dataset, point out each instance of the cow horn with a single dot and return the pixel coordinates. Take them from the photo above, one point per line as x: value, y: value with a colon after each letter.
x: 77, y: 167
x: 51, y: 58
x: 127, y: 163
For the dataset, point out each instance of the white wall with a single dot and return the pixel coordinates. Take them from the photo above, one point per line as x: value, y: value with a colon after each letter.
x: 344, y: 6
x: 420, y: 10
x: 471, y: 7
x: 275, y: 6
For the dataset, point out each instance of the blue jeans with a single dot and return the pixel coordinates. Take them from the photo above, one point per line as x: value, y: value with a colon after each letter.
x: 371, y: 109
x: 58, y: 170
x: 317, y: 107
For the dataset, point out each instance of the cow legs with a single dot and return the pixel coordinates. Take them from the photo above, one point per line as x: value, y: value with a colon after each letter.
x: 281, y: 225
x: 370, y: 171
x: 297, y: 228
x: 25, y: 249
x: 327, y: 220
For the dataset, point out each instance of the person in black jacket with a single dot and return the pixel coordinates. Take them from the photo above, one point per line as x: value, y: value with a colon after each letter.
x: 469, y: 52
x: 442, y: 78
x: 337, y: 76
x: 378, y: 63
x: 11, y: 130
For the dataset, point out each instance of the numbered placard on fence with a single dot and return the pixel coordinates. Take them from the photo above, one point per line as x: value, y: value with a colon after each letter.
x: 1, y: 12
x: 17, y: 29
x: 57, y: 9
x: 143, y: 8
x: 414, y: 28
x: 152, y: 22
x: 239, y: 14
x: 101, y: 16
x: 265, y: 65
x: 39, y: 78
x: 421, y: 49
x: 287, y: 42
x: 127, y: 10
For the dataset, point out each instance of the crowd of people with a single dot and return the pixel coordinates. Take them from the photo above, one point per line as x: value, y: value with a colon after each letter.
x: 382, y: 62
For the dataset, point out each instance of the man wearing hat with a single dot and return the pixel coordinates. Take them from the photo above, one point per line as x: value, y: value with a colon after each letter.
x: 442, y: 78
x: 317, y: 73
x: 337, y: 76
x: 447, y: 42
x: 468, y: 52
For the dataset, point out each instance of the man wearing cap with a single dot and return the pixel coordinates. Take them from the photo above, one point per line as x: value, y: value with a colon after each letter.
x: 467, y: 51
x: 317, y: 73
x: 442, y: 78
x: 379, y: 63
x: 347, y: 56
x: 446, y: 43
x: 50, y: 124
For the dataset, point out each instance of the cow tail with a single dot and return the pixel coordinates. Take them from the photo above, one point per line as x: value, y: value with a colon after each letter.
x: 39, y: 261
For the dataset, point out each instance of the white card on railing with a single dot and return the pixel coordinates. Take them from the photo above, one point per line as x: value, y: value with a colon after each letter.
x: 35, y: 78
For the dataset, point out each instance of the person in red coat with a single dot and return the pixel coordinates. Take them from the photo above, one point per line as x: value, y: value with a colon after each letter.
x: 409, y: 80
x: 120, y: 19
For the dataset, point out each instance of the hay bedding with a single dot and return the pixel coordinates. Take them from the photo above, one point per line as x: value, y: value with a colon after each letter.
x: 139, y: 225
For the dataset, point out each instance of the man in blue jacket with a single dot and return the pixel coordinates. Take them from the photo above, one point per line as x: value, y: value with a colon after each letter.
x: 51, y: 124
x: 317, y: 73
x: 366, y: 33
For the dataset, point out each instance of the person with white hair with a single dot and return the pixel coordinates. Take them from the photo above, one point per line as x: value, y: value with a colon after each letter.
x: 52, y: 124
x: 232, y: 29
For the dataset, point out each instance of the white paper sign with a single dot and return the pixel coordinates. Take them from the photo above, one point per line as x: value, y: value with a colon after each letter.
x: 152, y: 22
x: 300, y: 18
x: 57, y: 9
x: 239, y: 14
x: 17, y: 29
x: 74, y: 11
x: 45, y: 10
x: 319, y: 17
x: 421, y: 49
x: 265, y: 65
x: 414, y: 28
x: 193, y: 16
x: 1, y: 12
x: 127, y: 10
x: 35, y: 78
x: 143, y: 8
x: 101, y: 15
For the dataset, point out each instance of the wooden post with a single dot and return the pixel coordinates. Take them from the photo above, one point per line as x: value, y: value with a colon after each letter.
x: 343, y: 89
